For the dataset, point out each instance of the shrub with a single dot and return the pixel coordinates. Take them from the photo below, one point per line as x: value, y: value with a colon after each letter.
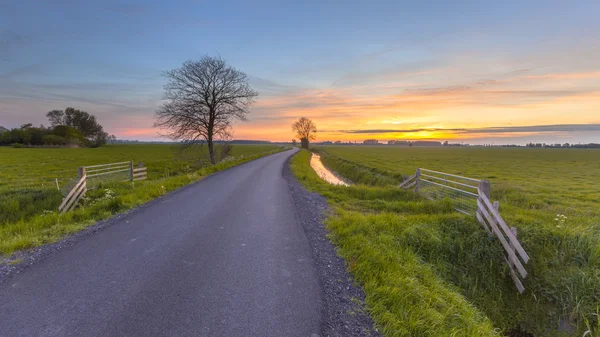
x: 54, y: 140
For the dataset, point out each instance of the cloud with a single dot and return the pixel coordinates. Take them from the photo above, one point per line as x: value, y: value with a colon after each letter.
x: 565, y: 76
x: 501, y: 129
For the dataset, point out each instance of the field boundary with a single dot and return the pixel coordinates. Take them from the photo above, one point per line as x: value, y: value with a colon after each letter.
x: 93, y: 171
x: 435, y: 185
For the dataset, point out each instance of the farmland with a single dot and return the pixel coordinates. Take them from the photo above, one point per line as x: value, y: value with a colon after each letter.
x: 429, y: 271
x: 29, y: 195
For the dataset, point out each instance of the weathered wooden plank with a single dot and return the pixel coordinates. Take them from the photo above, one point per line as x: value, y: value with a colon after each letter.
x: 140, y: 174
x: 411, y: 185
x: 111, y: 164
x: 112, y: 168
x: 500, y: 236
x: 451, y: 188
x: 407, y: 181
x: 515, y: 278
x: 141, y: 178
x: 451, y: 175
x: 76, y: 197
x: 66, y: 199
x: 139, y: 169
x: 105, y: 173
x: 448, y: 181
x: 502, y: 224
x: 482, y: 222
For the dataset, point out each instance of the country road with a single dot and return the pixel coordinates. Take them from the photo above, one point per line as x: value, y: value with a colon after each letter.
x: 226, y: 256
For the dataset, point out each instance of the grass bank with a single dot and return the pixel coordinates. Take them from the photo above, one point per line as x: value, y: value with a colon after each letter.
x: 46, y: 225
x: 429, y: 271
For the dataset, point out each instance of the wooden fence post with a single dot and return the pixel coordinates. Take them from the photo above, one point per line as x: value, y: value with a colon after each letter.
x: 80, y: 172
x: 484, y: 187
x: 131, y: 170
x: 418, y: 180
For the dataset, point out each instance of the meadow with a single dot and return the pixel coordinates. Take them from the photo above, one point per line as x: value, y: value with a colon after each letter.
x: 430, y: 271
x: 29, y: 196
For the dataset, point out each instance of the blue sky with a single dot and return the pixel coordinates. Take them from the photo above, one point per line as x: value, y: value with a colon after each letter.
x: 389, y: 65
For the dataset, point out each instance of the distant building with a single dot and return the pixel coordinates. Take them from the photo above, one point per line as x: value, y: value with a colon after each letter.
x: 371, y: 142
x: 338, y: 142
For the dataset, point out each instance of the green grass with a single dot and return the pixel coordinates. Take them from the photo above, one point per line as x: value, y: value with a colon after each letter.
x: 428, y: 271
x: 28, y: 215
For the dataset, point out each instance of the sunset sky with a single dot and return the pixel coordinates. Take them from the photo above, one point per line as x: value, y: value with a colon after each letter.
x: 472, y: 71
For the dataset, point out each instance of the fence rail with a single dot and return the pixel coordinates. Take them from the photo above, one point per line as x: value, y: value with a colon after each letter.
x: 436, y: 185
x: 88, y: 174
x: 78, y: 191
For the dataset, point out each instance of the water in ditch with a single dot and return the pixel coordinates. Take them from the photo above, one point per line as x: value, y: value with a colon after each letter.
x: 323, y: 172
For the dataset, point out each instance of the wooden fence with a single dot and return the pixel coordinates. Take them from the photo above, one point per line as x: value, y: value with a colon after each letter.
x: 85, y: 173
x: 472, y: 196
x: 76, y: 193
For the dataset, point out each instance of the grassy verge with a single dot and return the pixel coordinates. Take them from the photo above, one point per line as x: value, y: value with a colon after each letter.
x: 428, y: 271
x: 99, y: 204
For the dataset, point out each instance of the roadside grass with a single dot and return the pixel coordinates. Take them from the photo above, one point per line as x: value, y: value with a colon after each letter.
x: 429, y: 271
x: 28, y: 176
x: 40, y: 223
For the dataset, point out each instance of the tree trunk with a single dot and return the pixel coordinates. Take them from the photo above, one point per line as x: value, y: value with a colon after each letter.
x: 211, y: 151
x: 209, y: 140
x: 304, y: 142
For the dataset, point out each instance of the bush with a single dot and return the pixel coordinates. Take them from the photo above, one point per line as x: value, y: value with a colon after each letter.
x: 70, y: 134
x: 54, y: 140
x: 17, y: 145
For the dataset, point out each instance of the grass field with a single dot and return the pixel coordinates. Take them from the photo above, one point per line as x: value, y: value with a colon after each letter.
x: 429, y: 271
x: 29, y: 197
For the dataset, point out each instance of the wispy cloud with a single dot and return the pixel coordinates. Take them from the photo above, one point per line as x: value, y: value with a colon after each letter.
x: 501, y: 129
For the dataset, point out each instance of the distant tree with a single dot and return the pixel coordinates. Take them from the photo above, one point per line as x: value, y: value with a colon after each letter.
x: 306, y: 130
x: 83, y: 121
x: 112, y: 139
x: 203, y: 99
x: 294, y: 142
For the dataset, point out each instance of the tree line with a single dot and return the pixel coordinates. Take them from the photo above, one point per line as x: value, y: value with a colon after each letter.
x: 69, y: 127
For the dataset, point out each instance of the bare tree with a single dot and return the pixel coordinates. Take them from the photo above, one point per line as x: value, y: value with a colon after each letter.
x: 203, y: 99
x: 306, y: 130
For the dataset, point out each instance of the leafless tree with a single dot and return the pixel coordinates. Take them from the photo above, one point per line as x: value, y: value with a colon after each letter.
x: 203, y: 99
x: 306, y: 130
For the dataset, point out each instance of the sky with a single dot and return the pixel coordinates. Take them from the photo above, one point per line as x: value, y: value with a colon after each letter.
x: 479, y: 72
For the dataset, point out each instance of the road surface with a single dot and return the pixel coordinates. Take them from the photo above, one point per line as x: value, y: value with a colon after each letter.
x: 226, y: 256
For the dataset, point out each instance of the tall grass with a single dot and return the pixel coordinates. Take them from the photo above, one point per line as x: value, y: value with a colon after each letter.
x: 402, y: 248
x: 28, y: 223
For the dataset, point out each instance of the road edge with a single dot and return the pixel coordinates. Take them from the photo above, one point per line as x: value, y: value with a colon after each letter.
x: 343, y: 313
x: 28, y: 257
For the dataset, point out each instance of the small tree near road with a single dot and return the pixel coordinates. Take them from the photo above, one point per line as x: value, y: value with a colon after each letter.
x: 203, y: 98
x: 306, y: 130
x: 294, y: 142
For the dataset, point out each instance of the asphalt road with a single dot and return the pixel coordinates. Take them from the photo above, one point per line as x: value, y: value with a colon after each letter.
x: 226, y: 256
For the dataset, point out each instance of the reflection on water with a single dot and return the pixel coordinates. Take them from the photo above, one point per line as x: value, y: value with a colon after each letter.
x: 323, y: 172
